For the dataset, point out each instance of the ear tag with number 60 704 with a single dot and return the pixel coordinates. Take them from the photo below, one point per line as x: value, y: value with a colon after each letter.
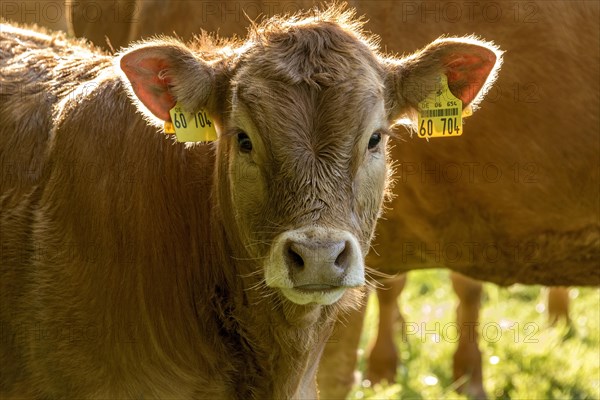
x: 441, y: 113
x: 191, y: 127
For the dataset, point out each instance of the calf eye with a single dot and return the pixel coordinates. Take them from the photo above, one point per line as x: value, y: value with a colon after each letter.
x: 244, y: 142
x: 374, y: 140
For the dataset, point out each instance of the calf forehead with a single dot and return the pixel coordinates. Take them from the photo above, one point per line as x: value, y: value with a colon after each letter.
x: 309, y: 79
x: 318, y: 117
x: 320, y: 53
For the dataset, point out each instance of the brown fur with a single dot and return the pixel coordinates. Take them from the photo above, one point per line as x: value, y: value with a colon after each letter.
x: 132, y: 266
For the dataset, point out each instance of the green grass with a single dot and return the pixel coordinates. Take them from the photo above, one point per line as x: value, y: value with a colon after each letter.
x: 529, y: 360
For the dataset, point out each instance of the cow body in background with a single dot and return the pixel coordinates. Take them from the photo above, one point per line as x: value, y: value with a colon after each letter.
x: 117, y: 23
x: 45, y: 13
x: 133, y: 266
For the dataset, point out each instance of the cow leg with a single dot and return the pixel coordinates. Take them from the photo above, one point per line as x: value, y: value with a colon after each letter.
x: 558, y: 304
x: 335, y: 377
x: 383, y: 358
x: 467, y: 358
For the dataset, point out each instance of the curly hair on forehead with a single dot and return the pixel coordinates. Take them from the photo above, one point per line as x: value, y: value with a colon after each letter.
x: 276, y: 28
x: 320, y: 47
x: 335, y: 14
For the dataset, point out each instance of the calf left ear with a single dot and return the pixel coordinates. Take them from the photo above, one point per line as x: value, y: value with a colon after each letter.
x: 161, y: 73
x: 471, y: 66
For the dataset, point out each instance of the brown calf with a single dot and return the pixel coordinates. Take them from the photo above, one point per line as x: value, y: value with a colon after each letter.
x: 133, y: 266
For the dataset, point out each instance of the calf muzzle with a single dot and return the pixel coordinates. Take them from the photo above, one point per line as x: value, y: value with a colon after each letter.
x: 315, y: 264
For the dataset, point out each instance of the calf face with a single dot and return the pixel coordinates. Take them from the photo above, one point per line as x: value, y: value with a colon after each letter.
x: 303, y: 110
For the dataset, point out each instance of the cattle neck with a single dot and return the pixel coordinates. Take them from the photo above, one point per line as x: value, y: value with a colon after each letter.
x: 276, y: 344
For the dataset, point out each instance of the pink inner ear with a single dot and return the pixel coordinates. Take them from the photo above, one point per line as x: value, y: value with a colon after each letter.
x: 467, y: 73
x: 143, y: 71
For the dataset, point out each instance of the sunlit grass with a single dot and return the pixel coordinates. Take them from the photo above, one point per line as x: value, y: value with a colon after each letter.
x: 523, y: 357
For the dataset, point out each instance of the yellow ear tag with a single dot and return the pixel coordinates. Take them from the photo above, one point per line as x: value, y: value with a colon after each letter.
x: 191, y: 127
x: 440, y: 114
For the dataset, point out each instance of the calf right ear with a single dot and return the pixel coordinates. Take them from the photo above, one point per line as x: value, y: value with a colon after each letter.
x: 159, y: 74
x: 470, y: 65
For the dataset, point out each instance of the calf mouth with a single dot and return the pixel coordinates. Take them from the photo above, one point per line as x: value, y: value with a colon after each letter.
x: 316, y: 287
x: 315, y: 294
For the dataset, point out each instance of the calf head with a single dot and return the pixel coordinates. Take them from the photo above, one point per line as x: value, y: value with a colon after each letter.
x: 304, y: 108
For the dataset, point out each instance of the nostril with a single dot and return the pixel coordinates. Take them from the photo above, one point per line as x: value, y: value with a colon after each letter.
x: 343, y: 258
x: 294, y: 259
